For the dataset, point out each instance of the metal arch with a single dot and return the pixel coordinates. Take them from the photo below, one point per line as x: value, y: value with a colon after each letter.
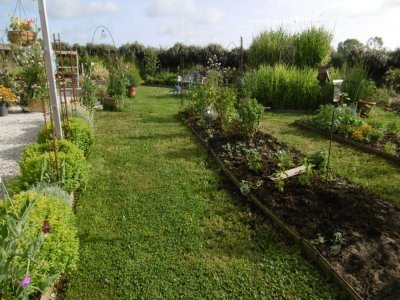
x: 104, y: 27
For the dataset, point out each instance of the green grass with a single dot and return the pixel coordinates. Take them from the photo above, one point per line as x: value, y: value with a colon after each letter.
x: 368, y: 170
x: 157, y: 223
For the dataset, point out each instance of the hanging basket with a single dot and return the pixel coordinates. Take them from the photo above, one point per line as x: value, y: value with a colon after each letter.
x: 22, y: 37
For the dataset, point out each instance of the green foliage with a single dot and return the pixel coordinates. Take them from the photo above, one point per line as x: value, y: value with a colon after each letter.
x: 250, y: 112
x: 284, y: 87
x: 35, y: 167
x: 312, y: 46
x: 392, y: 79
x: 151, y: 62
x: 99, y: 72
x: 133, y: 75
x: 88, y: 96
x: 51, y: 191
x: 78, y: 130
x: 163, y: 78
x: 117, y: 86
x: 59, y: 249
x: 225, y: 106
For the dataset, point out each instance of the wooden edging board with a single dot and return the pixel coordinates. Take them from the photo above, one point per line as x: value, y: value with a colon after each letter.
x: 346, y: 141
x: 307, y: 248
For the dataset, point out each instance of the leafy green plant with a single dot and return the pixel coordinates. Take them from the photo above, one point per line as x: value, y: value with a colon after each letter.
x: 250, y: 112
x: 245, y: 187
x: 151, y: 62
x: 118, y: 83
x: 88, y: 96
x: 133, y: 75
x: 305, y: 177
x: 225, y: 106
x: 338, y: 242
x: 254, y: 159
x: 35, y: 166
x: 79, y: 132
x: 45, y: 257
x: 284, y: 161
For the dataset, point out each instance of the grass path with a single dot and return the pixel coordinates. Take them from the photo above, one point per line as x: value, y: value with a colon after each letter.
x: 377, y: 174
x: 156, y: 222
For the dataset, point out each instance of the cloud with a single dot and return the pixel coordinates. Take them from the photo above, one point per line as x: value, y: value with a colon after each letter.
x: 75, y: 8
x: 391, y: 3
x: 187, y: 10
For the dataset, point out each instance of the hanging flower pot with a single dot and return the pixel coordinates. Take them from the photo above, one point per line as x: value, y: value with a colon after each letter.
x: 22, y: 37
x: 21, y: 32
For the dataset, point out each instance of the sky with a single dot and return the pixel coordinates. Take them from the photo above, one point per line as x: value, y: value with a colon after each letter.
x: 162, y: 23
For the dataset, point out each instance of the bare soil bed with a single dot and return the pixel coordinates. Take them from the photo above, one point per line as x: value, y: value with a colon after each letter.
x: 368, y: 257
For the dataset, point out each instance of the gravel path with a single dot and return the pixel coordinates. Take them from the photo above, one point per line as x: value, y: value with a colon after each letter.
x: 16, y: 131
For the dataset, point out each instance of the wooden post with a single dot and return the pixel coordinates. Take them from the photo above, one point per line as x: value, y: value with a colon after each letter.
x: 54, y: 100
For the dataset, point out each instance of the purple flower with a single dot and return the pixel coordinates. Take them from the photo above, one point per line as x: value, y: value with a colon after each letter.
x: 25, y: 282
x: 46, y: 227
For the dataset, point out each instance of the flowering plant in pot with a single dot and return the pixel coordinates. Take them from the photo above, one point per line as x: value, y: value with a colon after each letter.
x: 133, y: 78
x: 21, y: 32
x: 7, y: 98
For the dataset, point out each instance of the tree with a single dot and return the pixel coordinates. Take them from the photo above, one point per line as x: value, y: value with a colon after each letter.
x: 375, y: 43
x: 347, y: 47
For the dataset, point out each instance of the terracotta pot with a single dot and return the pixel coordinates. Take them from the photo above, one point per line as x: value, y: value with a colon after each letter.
x: 365, y: 107
x: 132, y: 91
x: 3, y: 109
x: 22, y: 37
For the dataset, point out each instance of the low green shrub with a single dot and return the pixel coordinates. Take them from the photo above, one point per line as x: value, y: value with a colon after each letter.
x: 88, y: 96
x: 48, y: 249
x: 250, y: 112
x: 79, y: 132
x: 225, y: 107
x: 35, y: 166
x: 163, y: 78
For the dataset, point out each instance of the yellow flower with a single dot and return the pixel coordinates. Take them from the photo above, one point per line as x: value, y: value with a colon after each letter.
x: 358, y: 134
x: 7, y: 96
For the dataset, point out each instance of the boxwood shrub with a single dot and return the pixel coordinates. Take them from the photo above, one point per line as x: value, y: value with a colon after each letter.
x: 34, y: 165
x: 81, y: 134
x: 59, y: 252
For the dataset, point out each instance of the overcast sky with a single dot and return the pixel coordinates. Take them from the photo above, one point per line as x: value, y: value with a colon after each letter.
x: 165, y: 22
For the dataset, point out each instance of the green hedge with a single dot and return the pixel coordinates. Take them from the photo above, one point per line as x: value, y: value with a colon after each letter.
x: 34, y: 166
x: 59, y: 251
x: 81, y: 134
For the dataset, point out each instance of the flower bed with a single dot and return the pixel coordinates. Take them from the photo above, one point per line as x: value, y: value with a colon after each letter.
x: 382, y: 141
x: 354, y: 230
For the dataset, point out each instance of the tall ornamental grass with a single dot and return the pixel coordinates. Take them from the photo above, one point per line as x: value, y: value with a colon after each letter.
x: 312, y: 47
x: 283, y: 87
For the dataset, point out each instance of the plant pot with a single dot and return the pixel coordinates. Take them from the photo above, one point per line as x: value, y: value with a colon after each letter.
x: 22, y: 37
x: 35, y: 106
x: 109, y: 103
x: 3, y: 109
x: 132, y: 91
x: 365, y: 107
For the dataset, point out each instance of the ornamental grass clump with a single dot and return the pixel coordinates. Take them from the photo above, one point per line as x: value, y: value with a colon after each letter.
x: 284, y: 87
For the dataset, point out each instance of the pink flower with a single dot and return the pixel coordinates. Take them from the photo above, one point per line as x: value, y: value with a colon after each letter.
x: 25, y: 282
x: 46, y: 227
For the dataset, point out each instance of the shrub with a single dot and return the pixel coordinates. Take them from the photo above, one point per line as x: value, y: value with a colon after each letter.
x: 163, y: 78
x: 35, y: 166
x: 392, y: 79
x: 88, y: 96
x: 99, y: 72
x: 79, y: 131
x: 284, y: 87
x: 250, y: 112
x: 225, y: 106
x: 58, y: 252
x: 133, y: 75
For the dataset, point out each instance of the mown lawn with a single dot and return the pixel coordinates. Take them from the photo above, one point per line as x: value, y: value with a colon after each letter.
x: 157, y: 222
x: 378, y: 175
